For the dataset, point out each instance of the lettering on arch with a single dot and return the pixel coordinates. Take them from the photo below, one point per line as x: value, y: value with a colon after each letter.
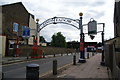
x: 55, y: 20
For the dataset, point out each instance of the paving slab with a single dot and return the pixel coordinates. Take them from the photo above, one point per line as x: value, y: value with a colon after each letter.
x: 90, y: 69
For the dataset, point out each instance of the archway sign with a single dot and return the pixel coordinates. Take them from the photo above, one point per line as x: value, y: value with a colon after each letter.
x: 55, y: 20
x: 77, y: 23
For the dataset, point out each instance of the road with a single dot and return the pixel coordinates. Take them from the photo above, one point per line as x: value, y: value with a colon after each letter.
x: 18, y: 70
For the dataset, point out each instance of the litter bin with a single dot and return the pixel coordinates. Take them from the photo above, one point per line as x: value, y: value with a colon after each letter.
x: 32, y: 72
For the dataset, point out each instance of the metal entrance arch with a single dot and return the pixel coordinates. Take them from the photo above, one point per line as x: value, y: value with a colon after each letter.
x: 77, y: 23
x: 55, y: 20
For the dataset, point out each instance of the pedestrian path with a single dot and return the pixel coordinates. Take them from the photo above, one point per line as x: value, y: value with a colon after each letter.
x: 90, y: 69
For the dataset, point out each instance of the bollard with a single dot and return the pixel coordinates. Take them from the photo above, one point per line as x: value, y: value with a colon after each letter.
x: 92, y: 54
x: 55, y: 67
x: 61, y: 54
x: 43, y: 55
x: 54, y: 55
x: 67, y: 53
x: 32, y: 72
x: 87, y: 55
x: 27, y: 57
x: 74, y: 60
x: 2, y: 76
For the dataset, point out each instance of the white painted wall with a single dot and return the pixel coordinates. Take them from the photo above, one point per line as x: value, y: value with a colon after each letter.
x: 32, y: 26
x: 2, y: 48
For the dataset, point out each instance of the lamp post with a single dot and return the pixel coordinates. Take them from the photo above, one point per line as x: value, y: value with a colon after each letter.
x: 82, y: 52
x: 37, y: 31
x: 102, y: 59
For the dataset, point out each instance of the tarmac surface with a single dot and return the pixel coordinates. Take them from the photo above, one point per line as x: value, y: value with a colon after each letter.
x: 10, y: 60
x: 91, y: 69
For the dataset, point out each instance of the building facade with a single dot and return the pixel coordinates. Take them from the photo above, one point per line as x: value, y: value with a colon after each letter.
x: 32, y: 26
x: 117, y: 19
x: 16, y: 13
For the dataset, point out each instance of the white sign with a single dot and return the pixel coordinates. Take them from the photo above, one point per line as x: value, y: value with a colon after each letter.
x: 15, y: 27
x: 92, y: 27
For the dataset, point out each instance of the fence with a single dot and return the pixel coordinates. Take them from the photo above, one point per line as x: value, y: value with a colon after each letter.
x: 112, y: 59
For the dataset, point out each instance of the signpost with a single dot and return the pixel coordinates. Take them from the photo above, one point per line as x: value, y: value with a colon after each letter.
x: 25, y: 32
x: 15, y: 27
x: 92, y: 27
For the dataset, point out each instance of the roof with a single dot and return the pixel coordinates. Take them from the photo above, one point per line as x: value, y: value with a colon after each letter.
x: 18, y: 3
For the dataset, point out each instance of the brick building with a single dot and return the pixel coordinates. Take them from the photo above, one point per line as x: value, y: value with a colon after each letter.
x: 16, y: 13
x: 117, y: 19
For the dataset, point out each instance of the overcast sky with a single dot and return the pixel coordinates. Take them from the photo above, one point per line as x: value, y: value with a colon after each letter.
x: 101, y: 10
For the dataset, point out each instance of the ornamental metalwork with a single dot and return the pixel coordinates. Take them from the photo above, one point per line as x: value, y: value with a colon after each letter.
x: 55, y: 20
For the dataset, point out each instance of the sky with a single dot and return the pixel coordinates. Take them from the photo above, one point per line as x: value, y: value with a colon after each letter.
x: 101, y: 11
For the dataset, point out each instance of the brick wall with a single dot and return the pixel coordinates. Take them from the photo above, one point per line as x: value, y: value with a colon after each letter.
x: 14, y: 13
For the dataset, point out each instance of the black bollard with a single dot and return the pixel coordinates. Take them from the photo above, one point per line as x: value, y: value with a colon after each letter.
x: 61, y: 54
x: 43, y: 55
x: 32, y: 72
x: 55, y: 67
x: 92, y: 54
x: 2, y: 76
x: 74, y: 60
x: 27, y: 57
x: 54, y: 55
x: 87, y: 55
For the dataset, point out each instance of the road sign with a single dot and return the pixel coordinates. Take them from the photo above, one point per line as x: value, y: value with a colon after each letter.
x: 15, y: 27
x: 25, y: 32
x: 92, y: 27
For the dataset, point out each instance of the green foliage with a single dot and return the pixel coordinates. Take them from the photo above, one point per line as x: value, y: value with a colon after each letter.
x: 58, y: 40
x: 42, y: 39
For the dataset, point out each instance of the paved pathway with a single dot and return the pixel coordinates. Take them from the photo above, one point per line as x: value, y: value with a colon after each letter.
x: 90, y: 69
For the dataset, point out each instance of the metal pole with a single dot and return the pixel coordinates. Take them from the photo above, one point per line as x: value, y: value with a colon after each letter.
x: 17, y: 45
x: 37, y: 32
x: 36, y: 44
x: 102, y: 60
x: 82, y: 55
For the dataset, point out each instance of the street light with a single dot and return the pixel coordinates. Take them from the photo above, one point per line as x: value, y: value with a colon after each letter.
x: 80, y: 14
x: 82, y: 55
x: 102, y: 60
x: 37, y: 25
x: 35, y: 40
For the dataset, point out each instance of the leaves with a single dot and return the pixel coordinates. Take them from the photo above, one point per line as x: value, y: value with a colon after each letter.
x: 58, y: 40
x: 42, y: 39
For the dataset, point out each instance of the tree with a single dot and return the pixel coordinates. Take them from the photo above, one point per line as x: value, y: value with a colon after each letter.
x: 42, y: 39
x: 58, y: 40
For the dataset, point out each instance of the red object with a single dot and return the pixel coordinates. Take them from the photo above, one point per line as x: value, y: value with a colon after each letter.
x: 17, y: 47
x: 81, y: 46
x: 35, y: 48
x: 36, y: 57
